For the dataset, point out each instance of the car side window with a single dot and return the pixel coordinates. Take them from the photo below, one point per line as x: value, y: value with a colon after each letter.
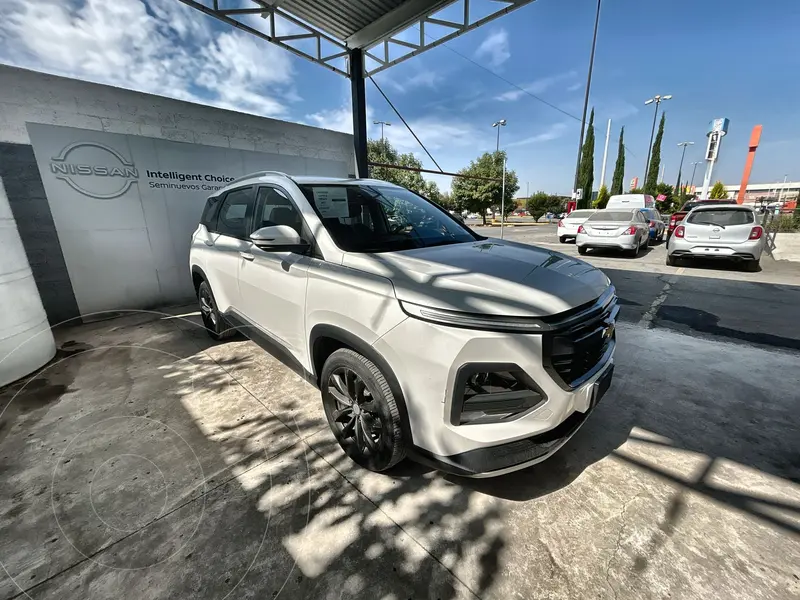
x: 209, y: 218
x: 275, y: 208
x: 234, y: 213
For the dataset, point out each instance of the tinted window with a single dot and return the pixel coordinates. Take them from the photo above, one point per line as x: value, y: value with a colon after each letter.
x: 694, y: 204
x: 367, y: 218
x: 275, y: 208
x: 234, y: 213
x: 611, y: 215
x: 722, y: 217
x: 209, y: 218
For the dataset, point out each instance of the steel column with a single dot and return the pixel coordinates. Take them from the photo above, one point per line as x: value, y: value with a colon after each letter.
x: 359, y: 103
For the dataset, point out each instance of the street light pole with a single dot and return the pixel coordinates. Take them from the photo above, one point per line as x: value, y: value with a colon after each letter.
x: 382, y: 123
x: 694, y: 168
x: 498, y: 125
x: 586, y: 98
x: 657, y: 100
x: 680, y: 168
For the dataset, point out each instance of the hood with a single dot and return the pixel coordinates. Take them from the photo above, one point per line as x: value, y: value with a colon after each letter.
x: 488, y: 277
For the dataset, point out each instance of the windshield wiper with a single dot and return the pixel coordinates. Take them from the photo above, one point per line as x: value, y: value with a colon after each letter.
x: 712, y: 224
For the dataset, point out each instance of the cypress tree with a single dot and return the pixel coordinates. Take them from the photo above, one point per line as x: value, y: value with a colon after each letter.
x: 619, y: 169
x: 655, y: 160
x: 586, y: 171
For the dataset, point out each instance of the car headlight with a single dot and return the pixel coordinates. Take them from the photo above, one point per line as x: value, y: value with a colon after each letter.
x: 475, y: 321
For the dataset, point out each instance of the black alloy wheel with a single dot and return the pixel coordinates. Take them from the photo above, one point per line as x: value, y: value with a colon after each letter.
x: 215, y: 324
x: 361, y: 410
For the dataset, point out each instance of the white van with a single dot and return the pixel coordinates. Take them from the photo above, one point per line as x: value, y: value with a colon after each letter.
x: 631, y: 201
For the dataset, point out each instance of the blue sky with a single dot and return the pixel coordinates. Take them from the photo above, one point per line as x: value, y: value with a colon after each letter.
x: 718, y: 58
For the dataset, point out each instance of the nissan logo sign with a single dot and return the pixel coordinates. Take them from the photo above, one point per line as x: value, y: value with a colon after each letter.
x: 94, y: 170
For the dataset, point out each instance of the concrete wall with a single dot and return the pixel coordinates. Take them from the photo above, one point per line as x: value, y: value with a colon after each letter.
x: 63, y: 268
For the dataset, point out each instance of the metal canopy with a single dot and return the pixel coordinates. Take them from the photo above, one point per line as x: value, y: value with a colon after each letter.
x: 326, y: 31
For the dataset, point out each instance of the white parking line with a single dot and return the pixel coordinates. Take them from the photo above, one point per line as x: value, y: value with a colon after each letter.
x: 681, y: 271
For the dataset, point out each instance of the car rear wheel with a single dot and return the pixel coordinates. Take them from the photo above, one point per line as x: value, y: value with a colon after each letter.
x: 581, y: 250
x: 216, y: 325
x: 361, y: 410
x: 563, y: 239
x: 672, y: 261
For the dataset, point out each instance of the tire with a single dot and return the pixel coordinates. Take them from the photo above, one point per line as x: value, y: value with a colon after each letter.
x: 672, y: 261
x: 752, y: 266
x: 562, y: 239
x: 582, y: 249
x: 346, y: 377
x: 215, y: 324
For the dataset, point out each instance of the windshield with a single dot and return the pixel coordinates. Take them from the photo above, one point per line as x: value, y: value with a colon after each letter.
x: 611, y: 215
x: 722, y: 217
x: 694, y: 204
x: 370, y: 218
x: 580, y: 214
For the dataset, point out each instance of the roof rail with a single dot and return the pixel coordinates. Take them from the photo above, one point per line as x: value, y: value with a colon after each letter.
x: 256, y: 174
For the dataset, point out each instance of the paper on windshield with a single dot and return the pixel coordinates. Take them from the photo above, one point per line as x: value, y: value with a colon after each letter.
x: 331, y: 202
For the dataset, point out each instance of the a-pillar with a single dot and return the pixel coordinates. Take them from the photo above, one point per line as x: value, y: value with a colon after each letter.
x: 359, y: 102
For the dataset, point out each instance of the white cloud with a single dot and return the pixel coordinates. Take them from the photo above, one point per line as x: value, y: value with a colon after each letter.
x: 537, y: 87
x: 171, y: 50
x: 552, y: 132
x: 495, y: 48
x: 337, y: 119
x: 423, y: 79
x: 434, y: 133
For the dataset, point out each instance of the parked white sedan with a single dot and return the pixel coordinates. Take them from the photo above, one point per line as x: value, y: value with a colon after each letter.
x: 617, y: 228
x: 568, y: 226
x: 725, y: 231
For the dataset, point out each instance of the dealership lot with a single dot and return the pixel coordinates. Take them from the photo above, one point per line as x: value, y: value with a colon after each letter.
x: 148, y: 461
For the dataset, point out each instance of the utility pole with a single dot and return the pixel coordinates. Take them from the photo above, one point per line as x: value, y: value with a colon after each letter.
x: 382, y: 123
x: 605, y: 156
x: 657, y: 100
x: 586, y: 99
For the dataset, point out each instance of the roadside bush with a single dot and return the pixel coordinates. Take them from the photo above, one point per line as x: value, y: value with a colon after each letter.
x: 784, y: 223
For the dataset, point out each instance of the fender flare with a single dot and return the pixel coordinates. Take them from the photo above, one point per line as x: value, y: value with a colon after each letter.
x: 368, y: 351
x: 196, y: 270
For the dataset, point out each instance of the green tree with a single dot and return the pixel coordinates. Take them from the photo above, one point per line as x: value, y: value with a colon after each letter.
x: 655, y: 160
x: 619, y: 169
x: 602, y: 197
x: 586, y: 169
x: 637, y: 191
x: 542, y: 203
x: 476, y: 195
x: 718, y: 191
x: 431, y: 191
x: 381, y: 151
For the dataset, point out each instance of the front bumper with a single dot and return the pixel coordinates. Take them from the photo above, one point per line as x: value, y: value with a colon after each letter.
x: 622, y: 242
x: 427, y: 358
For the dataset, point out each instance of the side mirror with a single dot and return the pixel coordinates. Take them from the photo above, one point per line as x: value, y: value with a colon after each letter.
x: 278, y: 238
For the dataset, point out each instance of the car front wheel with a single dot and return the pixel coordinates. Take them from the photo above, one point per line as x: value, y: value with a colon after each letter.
x: 216, y: 325
x: 581, y: 250
x: 361, y: 410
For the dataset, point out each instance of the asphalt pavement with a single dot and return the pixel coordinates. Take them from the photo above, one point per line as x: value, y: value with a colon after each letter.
x: 711, y: 299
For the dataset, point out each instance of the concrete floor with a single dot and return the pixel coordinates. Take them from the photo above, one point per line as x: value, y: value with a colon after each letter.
x: 148, y: 462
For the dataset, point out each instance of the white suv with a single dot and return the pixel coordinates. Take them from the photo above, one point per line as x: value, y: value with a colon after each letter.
x: 474, y: 355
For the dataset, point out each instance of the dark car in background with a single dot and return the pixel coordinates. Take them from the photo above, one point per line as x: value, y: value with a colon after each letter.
x: 657, y: 225
x: 678, y: 216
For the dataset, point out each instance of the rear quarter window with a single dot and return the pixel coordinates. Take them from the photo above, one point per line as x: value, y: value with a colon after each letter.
x: 209, y: 216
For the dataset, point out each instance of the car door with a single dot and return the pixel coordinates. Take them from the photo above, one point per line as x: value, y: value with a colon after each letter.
x: 642, y: 225
x: 226, y: 241
x: 273, y: 284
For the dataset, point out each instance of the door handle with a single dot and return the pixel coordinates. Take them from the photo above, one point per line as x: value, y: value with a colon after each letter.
x: 247, y: 256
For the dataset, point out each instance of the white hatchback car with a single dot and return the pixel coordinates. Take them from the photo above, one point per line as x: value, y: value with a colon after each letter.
x: 568, y: 226
x: 726, y: 231
x: 477, y: 356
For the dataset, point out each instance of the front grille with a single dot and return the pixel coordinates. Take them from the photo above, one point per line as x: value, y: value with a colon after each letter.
x: 572, y: 356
